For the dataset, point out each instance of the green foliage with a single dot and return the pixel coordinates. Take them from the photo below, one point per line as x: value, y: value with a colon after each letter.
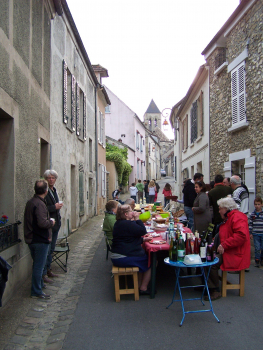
x: 119, y: 157
x: 126, y: 173
x: 113, y: 148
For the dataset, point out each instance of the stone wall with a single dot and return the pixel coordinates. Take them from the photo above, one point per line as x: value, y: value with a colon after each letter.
x: 222, y: 142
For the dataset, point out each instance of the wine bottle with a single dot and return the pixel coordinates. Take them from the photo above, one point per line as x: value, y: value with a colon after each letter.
x: 196, y: 243
x: 203, y: 249
x: 180, y: 249
x: 209, y: 253
x: 174, y: 250
x: 171, y: 248
x: 188, y: 245
x: 178, y: 232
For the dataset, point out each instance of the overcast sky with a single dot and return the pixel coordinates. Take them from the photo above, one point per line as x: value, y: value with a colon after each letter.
x: 151, y: 48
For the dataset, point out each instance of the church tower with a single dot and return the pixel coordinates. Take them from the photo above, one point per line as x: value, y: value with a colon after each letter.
x: 152, y: 117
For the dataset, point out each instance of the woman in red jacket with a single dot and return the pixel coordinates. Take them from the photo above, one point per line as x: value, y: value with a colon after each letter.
x: 234, y: 247
x: 167, y: 191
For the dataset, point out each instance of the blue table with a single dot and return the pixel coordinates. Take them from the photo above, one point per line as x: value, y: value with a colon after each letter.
x: 178, y: 265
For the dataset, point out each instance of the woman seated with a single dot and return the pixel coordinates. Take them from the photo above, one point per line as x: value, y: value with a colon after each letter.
x: 110, y: 219
x: 127, y: 248
x: 234, y: 245
x: 201, y: 210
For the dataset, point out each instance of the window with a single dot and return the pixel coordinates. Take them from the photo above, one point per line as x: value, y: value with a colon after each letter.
x: 107, y: 109
x: 137, y: 140
x: 196, y: 119
x: 194, y: 122
x: 238, y: 94
x: 101, y: 128
x: 138, y: 165
x: 102, y: 180
x: 69, y: 97
x: 81, y: 113
x: 149, y: 150
x: 155, y: 122
x: 150, y: 124
x: 141, y: 148
x: 90, y: 155
x: 185, y: 133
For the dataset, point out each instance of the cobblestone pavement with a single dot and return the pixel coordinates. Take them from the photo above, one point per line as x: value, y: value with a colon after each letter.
x: 27, y: 323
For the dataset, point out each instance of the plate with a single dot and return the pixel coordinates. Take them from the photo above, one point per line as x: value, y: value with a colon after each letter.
x: 157, y: 242
x: 154, y: 234
x: 149, y: 230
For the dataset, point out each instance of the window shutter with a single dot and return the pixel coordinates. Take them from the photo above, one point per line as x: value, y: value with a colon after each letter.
x: 182, y: 136
x: 78, y: 109
x: 186, y: 131
x: 238, y: 94
x: 84, y: 118
x: 103, y: 182
x: 241, y: 88
x: 65, y: 88
x: 73, y: 103
x: 194, y: 122
x: 201, y: 129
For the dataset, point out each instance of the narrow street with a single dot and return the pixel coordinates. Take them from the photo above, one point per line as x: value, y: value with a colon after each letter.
x: 83, y: 314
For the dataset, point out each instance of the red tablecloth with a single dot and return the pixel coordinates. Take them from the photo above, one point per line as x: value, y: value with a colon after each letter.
x: 149, y: 247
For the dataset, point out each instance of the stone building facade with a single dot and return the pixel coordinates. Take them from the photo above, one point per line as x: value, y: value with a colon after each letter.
x: 74, y: 132
x: 25, y: 44
x: 234, y: 57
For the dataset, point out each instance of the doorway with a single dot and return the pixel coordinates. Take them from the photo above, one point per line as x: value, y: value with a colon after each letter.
x: 73, y: 196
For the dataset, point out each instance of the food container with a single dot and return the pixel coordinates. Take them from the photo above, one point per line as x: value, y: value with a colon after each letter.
x: 145, y: 216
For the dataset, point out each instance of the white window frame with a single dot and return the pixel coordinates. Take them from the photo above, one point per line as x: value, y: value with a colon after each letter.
x: 141, y: 148
x: 137, y: 140
x: 101, y: 129
x: 107, y: 109
x: 238, y: 94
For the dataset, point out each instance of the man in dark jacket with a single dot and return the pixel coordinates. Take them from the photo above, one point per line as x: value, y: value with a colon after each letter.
x: 189, y: 197
x: 53, y: 206
x: 37, y: 233
x: 219, y: 191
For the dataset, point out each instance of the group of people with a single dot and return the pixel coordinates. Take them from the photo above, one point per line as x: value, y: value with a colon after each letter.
x: 225, y: 204
x: 148, y: 189
x: 42, y: 222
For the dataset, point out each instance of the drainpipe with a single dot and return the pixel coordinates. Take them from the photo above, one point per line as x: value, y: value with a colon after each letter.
x: 96, y: 149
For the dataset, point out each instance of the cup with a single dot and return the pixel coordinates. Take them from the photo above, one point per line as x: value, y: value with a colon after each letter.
x: 60, y: 202
x: 52, y: 219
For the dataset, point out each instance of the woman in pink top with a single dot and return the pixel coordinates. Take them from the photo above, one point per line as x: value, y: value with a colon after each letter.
x: 167, y: 191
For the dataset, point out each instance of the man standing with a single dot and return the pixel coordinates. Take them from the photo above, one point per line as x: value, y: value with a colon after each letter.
x: 146, y: 191
x: 198, y: 177
x: 53, y: 206
x: 240, y: 195
x: 189, y: 197
x: 37, y: 233
x: 219, y: 191
x: 226, y: 181
x: 140, y: 188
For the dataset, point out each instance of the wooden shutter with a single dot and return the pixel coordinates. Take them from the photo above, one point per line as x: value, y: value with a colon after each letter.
x: 73, y: 103
x: 201, y: 114
x: 186, y: 133
x: 81, y: 189
x: 84, y: 117
x: 182, y: 136
x: 78, y: 110
x: 238, y: 94
x: 65, y: 90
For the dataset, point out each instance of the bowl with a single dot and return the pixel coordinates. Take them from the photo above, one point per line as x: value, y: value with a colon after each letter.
x: 164, y: 215
x: 160, y: 221
x: 145, y: 216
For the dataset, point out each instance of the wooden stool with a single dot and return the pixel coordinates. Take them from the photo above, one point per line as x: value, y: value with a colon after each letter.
x: 125, y: 271
x: 227, y: 285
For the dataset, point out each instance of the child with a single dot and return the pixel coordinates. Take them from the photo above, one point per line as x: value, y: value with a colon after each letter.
x: 110, y: 218
x: 255, y: 223
x: 133, y: 191
x: 167, y: 191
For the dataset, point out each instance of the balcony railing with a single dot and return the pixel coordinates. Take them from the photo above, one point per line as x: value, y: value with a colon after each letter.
x: 9, y: 235
x: 220, y: 58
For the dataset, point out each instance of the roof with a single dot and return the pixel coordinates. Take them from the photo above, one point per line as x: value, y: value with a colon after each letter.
x: 99, y: 69
x: 220, y: 33
x: 152, y: 108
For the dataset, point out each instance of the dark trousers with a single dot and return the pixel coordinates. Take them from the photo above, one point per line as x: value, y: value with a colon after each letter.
x: 213, y: 280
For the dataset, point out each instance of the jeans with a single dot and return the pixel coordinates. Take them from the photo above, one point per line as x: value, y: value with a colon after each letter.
x: 166, y: 201
x: 190, y: 217
x: 258, y: 243
x: 51, y: 249
x: 147, y: 197
x: 134, y: 197
x: 39, y: 255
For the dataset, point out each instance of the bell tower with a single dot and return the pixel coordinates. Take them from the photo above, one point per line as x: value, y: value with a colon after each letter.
x: 152, y: 117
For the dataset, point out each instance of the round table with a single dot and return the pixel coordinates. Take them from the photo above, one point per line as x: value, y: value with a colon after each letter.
x: 178, y: 266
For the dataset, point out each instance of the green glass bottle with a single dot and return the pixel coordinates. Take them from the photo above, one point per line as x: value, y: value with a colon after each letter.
x: 180, y: 249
